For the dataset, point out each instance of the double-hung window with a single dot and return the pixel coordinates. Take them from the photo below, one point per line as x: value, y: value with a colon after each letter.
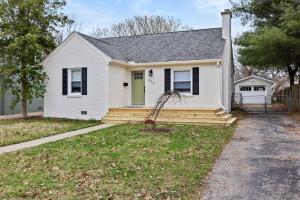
x: 76, y: 80
x: 182, y: 81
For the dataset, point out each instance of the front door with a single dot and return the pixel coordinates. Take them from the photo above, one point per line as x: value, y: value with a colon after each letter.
x: 138, y: 88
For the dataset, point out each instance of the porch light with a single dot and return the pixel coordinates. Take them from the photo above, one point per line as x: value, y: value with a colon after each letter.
x: 150, y: 73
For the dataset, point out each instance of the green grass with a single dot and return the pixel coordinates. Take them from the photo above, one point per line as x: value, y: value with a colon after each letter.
x: 120, y: 162
x: 18, y: 130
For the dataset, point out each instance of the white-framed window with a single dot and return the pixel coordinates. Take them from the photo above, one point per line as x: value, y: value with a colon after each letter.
x: 259, y: 88
x: 182, y: 81
x: 75, y: 81
x: 245, y: 88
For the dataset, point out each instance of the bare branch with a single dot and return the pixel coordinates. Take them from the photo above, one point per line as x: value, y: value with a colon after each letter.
x: 139, y: 25
x: 73, y: 25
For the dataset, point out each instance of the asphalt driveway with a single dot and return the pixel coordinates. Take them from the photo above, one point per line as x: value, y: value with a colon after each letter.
x: 261, y: 162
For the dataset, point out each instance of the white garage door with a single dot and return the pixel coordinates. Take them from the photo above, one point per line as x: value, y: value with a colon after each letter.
x: 253, y: 94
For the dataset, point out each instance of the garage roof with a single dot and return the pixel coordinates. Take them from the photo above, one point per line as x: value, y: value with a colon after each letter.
x: 255, y: 77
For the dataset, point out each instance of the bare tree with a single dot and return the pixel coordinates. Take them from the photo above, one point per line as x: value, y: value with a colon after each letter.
x: 139, y: 25
x: 73, y: 25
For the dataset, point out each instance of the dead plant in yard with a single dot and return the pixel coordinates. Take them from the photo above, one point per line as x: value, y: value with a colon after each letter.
x: 162, y: 100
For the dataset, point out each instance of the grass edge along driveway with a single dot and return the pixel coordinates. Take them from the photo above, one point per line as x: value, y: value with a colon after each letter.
x: 19, y: 130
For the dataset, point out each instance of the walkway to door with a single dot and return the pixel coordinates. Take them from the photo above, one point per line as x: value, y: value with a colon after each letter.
x: 261, y: 162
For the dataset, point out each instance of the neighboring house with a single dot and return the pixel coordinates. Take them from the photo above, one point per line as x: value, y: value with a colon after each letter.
x: 253, y: 90
x: 87, y: 76
x: 5, y: 102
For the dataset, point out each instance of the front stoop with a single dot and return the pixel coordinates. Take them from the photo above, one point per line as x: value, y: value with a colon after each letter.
x: 201, y: 116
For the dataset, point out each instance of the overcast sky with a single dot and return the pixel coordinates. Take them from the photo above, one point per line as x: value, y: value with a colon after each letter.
x: 195, y: 13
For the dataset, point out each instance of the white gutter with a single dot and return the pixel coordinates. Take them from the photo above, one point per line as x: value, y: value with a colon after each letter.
x: 221, y: 86
x: 165, y: 63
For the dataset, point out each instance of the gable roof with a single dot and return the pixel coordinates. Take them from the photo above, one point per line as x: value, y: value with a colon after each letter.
x: 161, y: 47
x: 254, y: 76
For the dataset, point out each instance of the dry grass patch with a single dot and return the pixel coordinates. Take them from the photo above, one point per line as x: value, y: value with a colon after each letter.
x: 18, y: 130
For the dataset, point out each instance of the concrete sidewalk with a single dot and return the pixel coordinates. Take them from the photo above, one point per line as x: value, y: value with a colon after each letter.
x: 37, y: 142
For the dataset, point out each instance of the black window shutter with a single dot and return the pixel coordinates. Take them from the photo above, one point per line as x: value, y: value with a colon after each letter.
x: 196, y: 80
x: 167, y: 80
x: 84, y: 81
x: 64, y: 81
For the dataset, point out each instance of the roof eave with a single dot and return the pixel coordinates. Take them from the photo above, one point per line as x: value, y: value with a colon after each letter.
x: 166, y: 63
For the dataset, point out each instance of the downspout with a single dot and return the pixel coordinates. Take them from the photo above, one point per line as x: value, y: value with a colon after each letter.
x: 221, y: 86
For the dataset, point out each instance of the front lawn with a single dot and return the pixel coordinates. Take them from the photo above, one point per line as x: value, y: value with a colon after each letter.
x: 120, y: 162
x: 18, y: 130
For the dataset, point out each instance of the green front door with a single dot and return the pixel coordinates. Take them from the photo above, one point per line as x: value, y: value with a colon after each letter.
x: 138, y: 88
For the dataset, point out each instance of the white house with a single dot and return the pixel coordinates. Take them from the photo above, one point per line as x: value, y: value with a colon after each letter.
x: 253, y: 90
x: 88, y: 76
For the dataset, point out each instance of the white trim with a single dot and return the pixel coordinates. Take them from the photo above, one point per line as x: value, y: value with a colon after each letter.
x: 58, y: 48
x: 70, y: 93
x: 220, y: 66
x: 75, y: 34
x: 191, y: 80
x: 165, y: 63
x: 254, y: 76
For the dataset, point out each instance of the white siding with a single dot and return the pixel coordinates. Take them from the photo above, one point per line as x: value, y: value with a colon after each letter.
x: 209, y: 87
x: 76, y: 53
x: 118, y: 93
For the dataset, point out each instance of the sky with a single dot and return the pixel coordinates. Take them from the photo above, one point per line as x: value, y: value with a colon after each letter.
x: 194, y: 13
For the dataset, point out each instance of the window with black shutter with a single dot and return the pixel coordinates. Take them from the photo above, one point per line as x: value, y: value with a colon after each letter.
x: 195, y: 80
x: 167, y: 80
x: 84, y: 81
x: 64, y: 81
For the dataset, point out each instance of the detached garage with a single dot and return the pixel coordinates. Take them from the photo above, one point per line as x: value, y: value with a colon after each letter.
x: 253, y: 90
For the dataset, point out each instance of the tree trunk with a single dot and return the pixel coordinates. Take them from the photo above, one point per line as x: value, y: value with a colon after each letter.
x: 298, y: 65
x: 292, y: 79
x: 24, y: 108
x: 292, y: 72
x: 23, y: 93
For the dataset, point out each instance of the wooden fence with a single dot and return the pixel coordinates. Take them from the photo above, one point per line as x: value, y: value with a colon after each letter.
x: 290, y: 96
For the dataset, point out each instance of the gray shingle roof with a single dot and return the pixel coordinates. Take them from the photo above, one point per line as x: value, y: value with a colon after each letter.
x: 172, y: 46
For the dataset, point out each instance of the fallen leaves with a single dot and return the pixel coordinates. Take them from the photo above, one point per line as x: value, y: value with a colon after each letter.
x: 115, y: 163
